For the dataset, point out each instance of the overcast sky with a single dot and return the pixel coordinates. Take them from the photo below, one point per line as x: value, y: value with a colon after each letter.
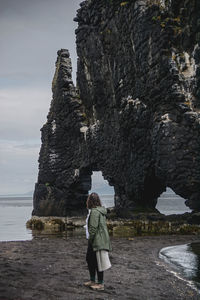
x: 31, y: 32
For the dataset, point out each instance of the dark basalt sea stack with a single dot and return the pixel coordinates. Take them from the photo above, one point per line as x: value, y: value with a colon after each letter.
x: 135, y: 114
x: 61, y: 187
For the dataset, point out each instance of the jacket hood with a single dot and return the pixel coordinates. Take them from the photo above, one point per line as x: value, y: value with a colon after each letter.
x: 101, y: 209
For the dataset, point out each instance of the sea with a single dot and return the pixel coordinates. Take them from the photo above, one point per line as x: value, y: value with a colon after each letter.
x: 185, y: 262
x: 16, y: 211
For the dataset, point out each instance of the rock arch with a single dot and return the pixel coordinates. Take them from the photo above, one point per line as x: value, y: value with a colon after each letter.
x: 134, y: 114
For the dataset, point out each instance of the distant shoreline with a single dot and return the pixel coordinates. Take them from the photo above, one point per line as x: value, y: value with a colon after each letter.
x: 16, y: 197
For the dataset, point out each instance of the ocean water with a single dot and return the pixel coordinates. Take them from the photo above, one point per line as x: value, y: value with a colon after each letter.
x: 107, y: 200
x: 185, y: 261
x: 15, y: 211
x: 169, y: 203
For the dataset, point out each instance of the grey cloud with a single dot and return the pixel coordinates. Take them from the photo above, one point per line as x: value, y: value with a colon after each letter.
x: 18, y: 168
x: 27, y: 146
x: 23, y: 112
x: 31, y: 32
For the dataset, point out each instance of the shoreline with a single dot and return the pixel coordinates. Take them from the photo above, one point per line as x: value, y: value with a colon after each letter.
x: 141, y: 224
x: 54, y: 268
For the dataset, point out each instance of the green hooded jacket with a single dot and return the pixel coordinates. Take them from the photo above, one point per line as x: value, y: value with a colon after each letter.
x: 98, y: 232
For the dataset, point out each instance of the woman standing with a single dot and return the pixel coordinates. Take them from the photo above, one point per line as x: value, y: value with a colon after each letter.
x: 98, y: 242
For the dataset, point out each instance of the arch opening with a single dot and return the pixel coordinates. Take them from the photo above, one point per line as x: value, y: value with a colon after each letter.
x: 102, y: 187
x: 170, y: 203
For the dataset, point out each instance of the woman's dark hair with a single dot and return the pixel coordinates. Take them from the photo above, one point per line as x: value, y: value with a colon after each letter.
x: 93, y: 201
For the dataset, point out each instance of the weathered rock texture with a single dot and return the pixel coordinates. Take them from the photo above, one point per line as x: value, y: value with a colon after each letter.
x: 60, y: 186
x: 135, y: 114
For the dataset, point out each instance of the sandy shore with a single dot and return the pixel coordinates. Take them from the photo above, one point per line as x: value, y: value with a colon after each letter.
x: 55, y: 268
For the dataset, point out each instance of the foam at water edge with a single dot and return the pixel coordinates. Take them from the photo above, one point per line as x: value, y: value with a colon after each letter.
x: 177, y: 274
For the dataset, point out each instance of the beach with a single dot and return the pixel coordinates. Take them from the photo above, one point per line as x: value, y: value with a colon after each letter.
x: 51, y: 268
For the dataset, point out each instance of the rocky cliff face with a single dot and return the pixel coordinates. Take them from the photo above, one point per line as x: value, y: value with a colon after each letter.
x: 135, y: 113
x: 60, y: 185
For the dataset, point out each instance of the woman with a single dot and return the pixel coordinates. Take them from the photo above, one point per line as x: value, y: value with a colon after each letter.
x: 98, y: 242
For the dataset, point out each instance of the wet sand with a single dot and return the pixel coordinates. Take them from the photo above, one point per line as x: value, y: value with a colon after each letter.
x: 48, y: 268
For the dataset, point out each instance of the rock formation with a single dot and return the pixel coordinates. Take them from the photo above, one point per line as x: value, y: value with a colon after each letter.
x: 135, y: 112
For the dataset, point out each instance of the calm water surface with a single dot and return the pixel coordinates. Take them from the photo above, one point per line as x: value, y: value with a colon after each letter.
x: 186, y: 261
x: 169, y: 203
x: 15, y: 211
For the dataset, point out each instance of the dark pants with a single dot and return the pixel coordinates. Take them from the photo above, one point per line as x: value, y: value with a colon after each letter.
x: 92, y: 264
